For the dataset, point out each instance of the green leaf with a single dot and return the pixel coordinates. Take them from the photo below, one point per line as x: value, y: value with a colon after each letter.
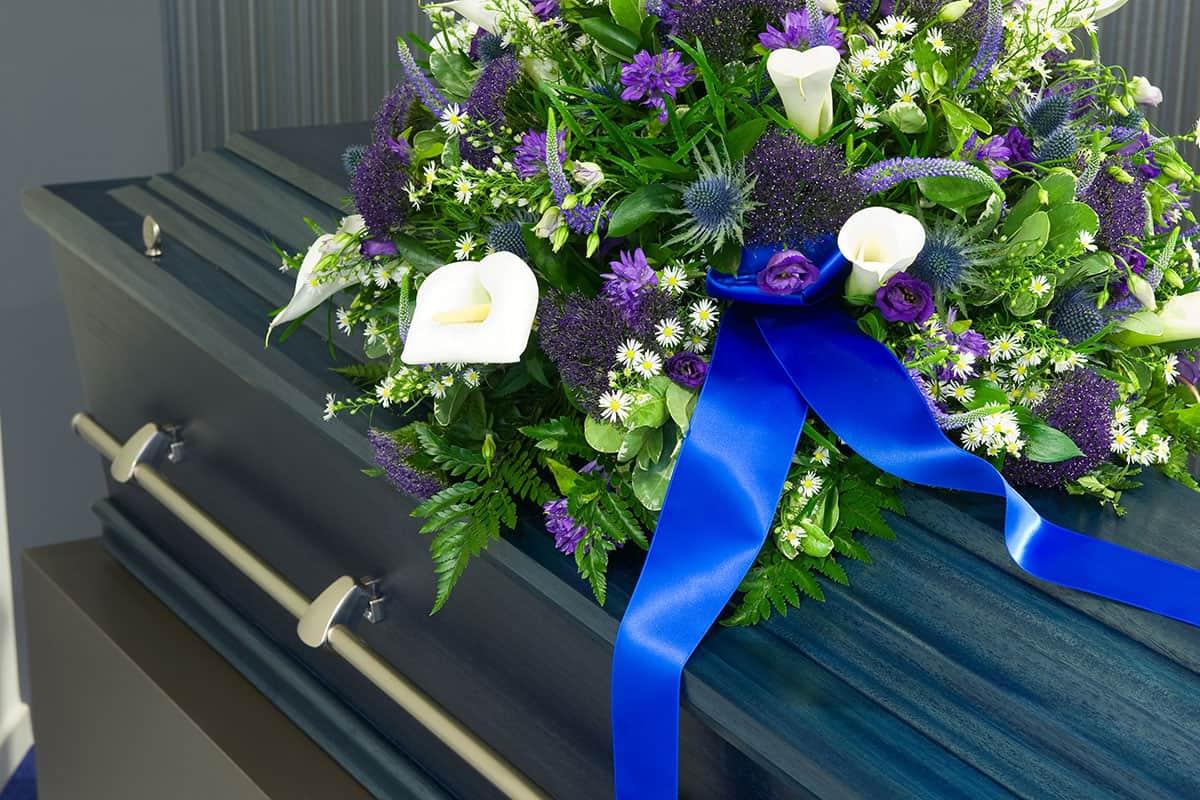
x: 603, y: 437
x: 628, y: 14
x: 632, y: 444
x: 564, y: 476
x: 650, y: 414
x: 1059, y: 189
x: 427, y: 145
x: 1048, y: 445
x: 680, y: 402
x: 1030, y: 239
x: 611, y: 37
x: 742, y: 138
x: 650, y: 485
x: 640, y: 207
x: 452, y: 71
x: 957, y: 194
x: 416, y: 253
x: 1067, y: 221
x: 664, y: 165
x: 962, y: 118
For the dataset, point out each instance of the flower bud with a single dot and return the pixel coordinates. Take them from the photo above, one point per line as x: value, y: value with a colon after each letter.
x: 952, y: 12
x: 1144, y: 92
x: 551, y: 221
x: 908, y: 117
x: 588, y: 174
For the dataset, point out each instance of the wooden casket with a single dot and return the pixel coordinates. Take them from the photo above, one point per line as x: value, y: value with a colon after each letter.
x: 942, y: 672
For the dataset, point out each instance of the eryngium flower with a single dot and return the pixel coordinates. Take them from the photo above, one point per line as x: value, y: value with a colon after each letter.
x: 486, y: 105
x: 1048, y: 113
x: 715, y: 204
x: 397, y: 455
x: 1076, y: 316
x: 947, y: 258
x: 1121, y: 207
x: 562, y: 526
x: 1081, y: 406
x: 1060, y: 145
x: 378, y: 188
x: 508, y: 237
x: 800, y: 190
x: 487, y: 46
x: 352, y: 157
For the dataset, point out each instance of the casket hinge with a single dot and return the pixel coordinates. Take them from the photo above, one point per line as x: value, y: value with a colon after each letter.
x: 337, y: 605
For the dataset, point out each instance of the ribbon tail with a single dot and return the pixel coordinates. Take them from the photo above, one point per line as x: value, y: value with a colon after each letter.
x: 715, y: 518
x: 866, y: 396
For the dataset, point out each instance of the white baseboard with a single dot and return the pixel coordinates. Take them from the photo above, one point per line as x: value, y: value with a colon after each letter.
x: 16, y: 737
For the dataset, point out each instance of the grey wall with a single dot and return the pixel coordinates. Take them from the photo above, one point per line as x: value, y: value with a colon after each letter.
x: 84, y: 97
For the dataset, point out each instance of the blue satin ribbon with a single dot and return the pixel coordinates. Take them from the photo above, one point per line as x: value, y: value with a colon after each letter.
x: 769, y: 364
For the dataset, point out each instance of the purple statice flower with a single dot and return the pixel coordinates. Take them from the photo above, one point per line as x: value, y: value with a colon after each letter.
x: 687, y: 369
x: 990, y: 46
x: 801, y: 190
x: 905, y: 298
x: 1121, y: 207
x: 993, y: 153
x: 545, y: 9
x: 1081, y: 406
x: 655, y: 79
x: 787, y: 272
x: 798, y: 34
x: 392, y: 117
x: 581, y: 336
x: 566, y: 531
x: 582, y: 219
x: 885, y: 175
x: 629, y: 282
x: 486, y: 104
x: 395, y: 459
x: 378, y: 188
x: 1020, y: 147
x: 430, y: 97
x: 529, y: 158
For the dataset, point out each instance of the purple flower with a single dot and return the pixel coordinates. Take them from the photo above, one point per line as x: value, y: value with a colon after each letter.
x: 545, y: 9
x: 392, y: 117
x: 529, y: 158
x: 885, y: 175
x: 1081, y: 406
x: 687, y: 369
x: 1020, y: 147
x: 430, y: 96
x: 1142, y: 156
x: 654, y: 79
x: 990, y: 47
x: 630, y: 279
x: 973, y: 342
x: 582, y: 219
x: 787, y: 272
x: 1188, y: 368
x: 379, y: 246
x: 486, y: 104
x: 486, y: 46
x: 580, y: 335
x: 566, y: 531
x: 1120, y: 206
x: 722, y: 26
x: 905, y: 299
x: 801, y: 190
x: 395, y: 459
x: 994, y: 153
x: 797, y: 34
x: 378, y: 188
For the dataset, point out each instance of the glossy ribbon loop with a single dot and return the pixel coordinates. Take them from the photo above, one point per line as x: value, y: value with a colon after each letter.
x: 770, y: 362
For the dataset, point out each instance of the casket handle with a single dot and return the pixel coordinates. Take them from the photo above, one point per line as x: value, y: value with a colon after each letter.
x: 133, y: 461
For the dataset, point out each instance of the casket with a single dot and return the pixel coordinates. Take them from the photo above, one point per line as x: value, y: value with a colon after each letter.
x: 942, y: 672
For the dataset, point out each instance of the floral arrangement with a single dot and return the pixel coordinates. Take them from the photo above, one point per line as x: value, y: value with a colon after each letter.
x: 545, y: 191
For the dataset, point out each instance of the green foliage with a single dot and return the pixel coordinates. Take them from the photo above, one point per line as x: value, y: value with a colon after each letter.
x: 611, y: 520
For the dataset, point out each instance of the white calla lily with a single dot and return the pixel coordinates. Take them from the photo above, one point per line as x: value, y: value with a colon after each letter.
x: 309, y: 292
x: 879, y: 242
x: 488, y: 14
x: 805, y: 83
x: 473, y: 312
x: 1106, y: 7
x: 1177, y: 321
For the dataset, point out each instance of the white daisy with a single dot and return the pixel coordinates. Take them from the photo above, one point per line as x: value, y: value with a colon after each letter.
x: 629, y: 353
x: 649, y: 365
x: 885, y: 52
x: 1039, y: 285
x: 961, y: 392
x: 464, y: 190
x: 454, y: 120
x: 1171, y: 369
x: 907, y: 92
x: 809, y: 485
x: 1122, y: 440
x: 821, y: 456
x: 430, y: 173
x: 668, y: 332
x: 615, y: 406
x: 471, y: 377
x: 867, y: 116
x: 704, y: 315
x: 673, y: 279
x: 911, y: 71
x: 330, y: 407
x: 1162, y: 449
x: 963, y: 365
x: 1142, y: 427
x: 937, y: 40
x: 695, y: 343
x: 1088, y: 240
x: 897, y: 26
x: 1067, y: 362
x: 436, y: 390
x: 343, y: 321
x: 867, y: 60
x: 1005, y: 348
x: 385, y: 392
x: 464, y: 247
x: 1121, y: 416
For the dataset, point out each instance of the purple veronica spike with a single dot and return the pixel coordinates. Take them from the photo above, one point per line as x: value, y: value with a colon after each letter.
x: 990, y: 46
x: 393, y: 458
x: 581, y: 219
x: 430, y: 96
x: 895, y: 171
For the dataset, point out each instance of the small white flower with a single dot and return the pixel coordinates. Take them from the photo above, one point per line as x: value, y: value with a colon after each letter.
x: 821, y: 456
x: 629, y: 353
x: 1039, y: 285
x: 1142, y: 427
x: 673, y: 279
x: 436, y: 390
x: 1005, y: 348
x: 911, y: 71
x: 961, y: 392
x: 471, y: 377
x: 1162, y: 449
x: 703, y: 315
x: 668, y: 332
x: 343, y: 321
x: 867, y: 60
x: 1171, y: 369
x: 1196, y: 133
x: 908, y: 92
x: 937, y: 40
x: 1088, y: 240
x: 974, y: 437
x: 897, y: 26
x: 430, y: 173
x: 454, y: 120
x: 1121, y: 416
x: 385, y: 392
x: 1122, y: 440
x: 1067, y: 362
x: 867, y: 116
x: 1032, y: 358
x: 885, y: 52
x: 695, y: 343
x: 649, y: 365
x: 809, y: 485
x: 963, y: 365
x: 464, y: 190
x: 615, y: 406
x: 464, y: 247
x: 330, y: 408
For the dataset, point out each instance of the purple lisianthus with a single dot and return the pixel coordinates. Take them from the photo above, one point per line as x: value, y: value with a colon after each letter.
x: 629, y: 281
x: 993, y: 152
x: 787, y: 272
x: 687, y: 369
x: 654, y: 79
x: 905, y: 298
x: 1142, y: 156
x: 973, y: 342
x: 562, y: 526
x: 545, y: 9
x: 1188, y: 368
x: 799, y: 34
x: 1020, y: 147
x: 379, y: 246
x: 529, y: 158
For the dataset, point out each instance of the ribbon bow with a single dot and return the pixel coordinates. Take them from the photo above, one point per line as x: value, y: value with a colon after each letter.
x: 775, y: 357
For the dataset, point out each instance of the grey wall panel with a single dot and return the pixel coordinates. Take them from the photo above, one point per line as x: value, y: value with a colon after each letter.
x: 236, y: 65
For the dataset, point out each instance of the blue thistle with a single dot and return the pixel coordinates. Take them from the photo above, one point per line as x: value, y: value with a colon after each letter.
x: 1060, y: 145
x: 508, y: 237
x: 1076, y: 317
x: 351, y: 157
x: 947, y: 258
x: 1047, y: 114
x: 715, y: 203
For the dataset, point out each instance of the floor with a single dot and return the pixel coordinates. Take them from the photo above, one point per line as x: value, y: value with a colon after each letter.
x: 23, y: 784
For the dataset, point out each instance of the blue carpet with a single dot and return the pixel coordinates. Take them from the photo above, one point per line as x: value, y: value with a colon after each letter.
x: 23, y: 783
